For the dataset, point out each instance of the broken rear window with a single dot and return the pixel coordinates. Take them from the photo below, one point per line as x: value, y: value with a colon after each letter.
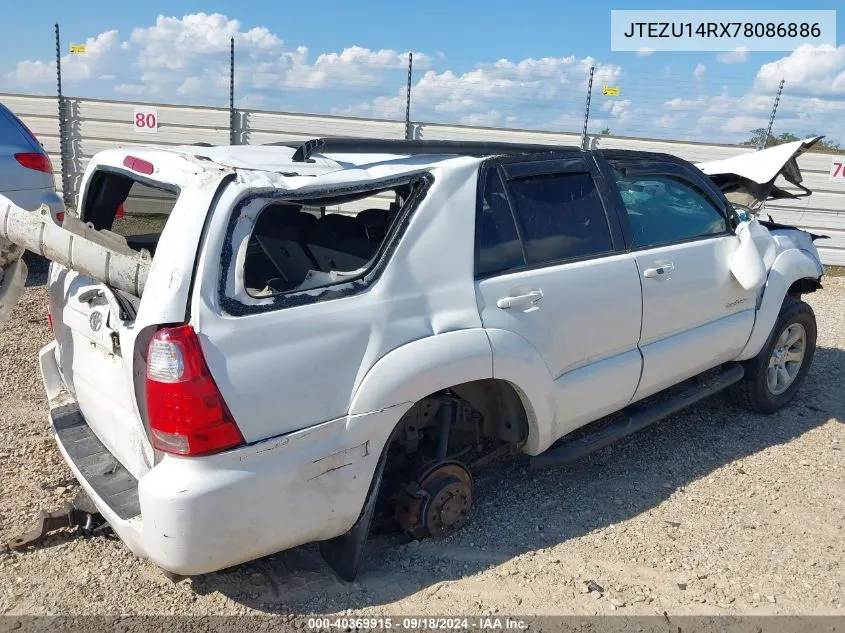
x: 128, y: 207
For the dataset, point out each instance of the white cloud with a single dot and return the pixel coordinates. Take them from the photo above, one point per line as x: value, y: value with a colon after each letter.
x: 699, y: 71
x: 810, y: 69
x: 617, y: 109
x: 736, y: 56
x: 645, y: 52
x: 99, y: 60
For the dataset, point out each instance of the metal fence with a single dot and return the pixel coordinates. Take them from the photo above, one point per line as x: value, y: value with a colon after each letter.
x: 92, y: 125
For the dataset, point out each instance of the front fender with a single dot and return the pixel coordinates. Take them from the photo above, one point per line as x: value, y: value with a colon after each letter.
x: 418, y: 369
x: 790, y: 266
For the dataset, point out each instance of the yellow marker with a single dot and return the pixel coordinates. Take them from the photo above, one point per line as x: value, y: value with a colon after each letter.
x: 77, y: 48
x: 610, y: 91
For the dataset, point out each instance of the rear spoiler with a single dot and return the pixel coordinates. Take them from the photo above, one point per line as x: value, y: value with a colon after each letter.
x: 749, y: 179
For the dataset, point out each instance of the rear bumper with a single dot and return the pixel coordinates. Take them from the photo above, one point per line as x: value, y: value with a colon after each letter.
x: 197, y: 515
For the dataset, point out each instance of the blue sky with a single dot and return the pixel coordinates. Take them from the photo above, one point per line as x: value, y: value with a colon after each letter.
x: 492, y: 63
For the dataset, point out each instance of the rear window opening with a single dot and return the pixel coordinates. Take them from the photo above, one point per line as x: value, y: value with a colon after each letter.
x: 136, y: 210
x: 297, y: 246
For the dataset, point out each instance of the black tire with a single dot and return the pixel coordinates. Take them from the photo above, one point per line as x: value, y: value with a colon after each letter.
x: 753, y: 392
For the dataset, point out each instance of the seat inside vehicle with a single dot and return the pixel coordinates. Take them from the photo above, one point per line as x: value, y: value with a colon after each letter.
x: 293, y: 246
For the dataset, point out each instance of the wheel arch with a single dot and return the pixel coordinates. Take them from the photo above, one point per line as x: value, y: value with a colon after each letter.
x: 793, y: 271
x: 422, y: 367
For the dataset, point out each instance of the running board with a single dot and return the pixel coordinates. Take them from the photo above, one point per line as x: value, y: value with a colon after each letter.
x: 638, y: 419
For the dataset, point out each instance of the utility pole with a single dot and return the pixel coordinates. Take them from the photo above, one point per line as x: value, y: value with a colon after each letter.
x: 408, y: 131
x: 587, y: 110
x: 772, y: 118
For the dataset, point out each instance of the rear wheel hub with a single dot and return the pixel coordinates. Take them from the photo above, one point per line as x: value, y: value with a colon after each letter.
x: 437, y: 503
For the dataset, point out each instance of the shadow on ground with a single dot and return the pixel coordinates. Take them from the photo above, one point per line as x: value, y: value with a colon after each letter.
x: 613, y: 485
x: 37, y: 268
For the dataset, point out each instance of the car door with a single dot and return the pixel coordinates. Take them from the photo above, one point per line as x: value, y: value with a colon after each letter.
x: 696, y: 315
x: 550, y: 268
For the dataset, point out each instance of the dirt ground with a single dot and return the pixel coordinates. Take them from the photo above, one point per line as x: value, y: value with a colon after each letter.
x: 713, y: 511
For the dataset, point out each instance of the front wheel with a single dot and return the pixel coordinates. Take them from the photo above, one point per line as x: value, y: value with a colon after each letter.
x: 774, y: 376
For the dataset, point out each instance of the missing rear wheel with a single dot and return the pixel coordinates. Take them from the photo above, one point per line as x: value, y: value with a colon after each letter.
x: 437, y: 503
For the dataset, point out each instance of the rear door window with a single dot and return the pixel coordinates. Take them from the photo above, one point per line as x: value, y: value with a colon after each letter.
x: 561, y: 217
x: 496, y: 240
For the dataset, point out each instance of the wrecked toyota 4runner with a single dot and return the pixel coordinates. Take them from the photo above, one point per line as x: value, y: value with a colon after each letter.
x: 294, y: 344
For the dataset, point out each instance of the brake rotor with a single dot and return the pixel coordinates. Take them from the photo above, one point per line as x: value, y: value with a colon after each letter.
x: 437, y: 503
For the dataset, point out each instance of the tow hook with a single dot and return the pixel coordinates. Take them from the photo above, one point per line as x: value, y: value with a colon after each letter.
x: 81, y: 513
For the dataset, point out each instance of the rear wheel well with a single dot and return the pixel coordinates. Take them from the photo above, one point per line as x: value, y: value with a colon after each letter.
x: 492, y: 409
x: 470, y: 423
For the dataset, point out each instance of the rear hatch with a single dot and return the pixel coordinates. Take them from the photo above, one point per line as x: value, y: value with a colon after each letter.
x: 94, y: 326
x: 102, y: 333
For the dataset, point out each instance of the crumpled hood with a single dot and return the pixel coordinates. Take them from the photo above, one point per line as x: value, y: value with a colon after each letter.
x: 748, y: 179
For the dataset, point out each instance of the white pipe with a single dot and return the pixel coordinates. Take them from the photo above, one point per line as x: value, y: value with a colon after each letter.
x: 102, y: 255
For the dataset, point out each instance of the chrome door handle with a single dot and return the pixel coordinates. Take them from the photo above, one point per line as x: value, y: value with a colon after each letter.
x: 659, y: 272
x: 520, y: 301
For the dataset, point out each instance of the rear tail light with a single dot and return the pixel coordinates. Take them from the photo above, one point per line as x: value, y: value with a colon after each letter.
x: 50, y: 319
x: 186, y: 411
x: 36, y: 161
x: 60, y: 216
x: 120, y: 213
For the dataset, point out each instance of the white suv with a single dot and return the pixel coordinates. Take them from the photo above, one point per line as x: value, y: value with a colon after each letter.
x: 340, y: 331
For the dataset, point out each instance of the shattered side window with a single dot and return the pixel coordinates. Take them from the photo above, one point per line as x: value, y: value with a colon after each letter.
x: 298, y: 246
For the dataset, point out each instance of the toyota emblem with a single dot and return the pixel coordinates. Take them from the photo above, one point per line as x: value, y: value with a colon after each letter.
x: 95, y: 321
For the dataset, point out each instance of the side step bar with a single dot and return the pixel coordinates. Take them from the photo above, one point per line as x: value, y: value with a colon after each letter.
x: 638, y: 419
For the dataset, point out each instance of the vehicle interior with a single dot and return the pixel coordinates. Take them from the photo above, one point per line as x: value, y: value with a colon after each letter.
x: 129, y: 208
x: 295, y: 246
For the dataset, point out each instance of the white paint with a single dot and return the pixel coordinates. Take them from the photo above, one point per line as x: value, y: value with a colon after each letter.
x: 754, y: 256
x: 318, y: 389
x: 145, y: 120
x: 760, y: 167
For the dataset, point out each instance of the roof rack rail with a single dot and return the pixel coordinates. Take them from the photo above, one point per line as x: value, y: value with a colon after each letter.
x: 305, y: 149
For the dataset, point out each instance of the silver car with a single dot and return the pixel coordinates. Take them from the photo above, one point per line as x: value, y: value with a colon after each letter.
x: 26, y: 173
x: 26, y: 179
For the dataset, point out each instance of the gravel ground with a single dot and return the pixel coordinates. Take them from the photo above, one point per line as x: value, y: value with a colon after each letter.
x: 713, y: 511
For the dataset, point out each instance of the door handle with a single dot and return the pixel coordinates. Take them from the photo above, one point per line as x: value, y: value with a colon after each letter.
x: 659, y: 272
x: 520, y: 301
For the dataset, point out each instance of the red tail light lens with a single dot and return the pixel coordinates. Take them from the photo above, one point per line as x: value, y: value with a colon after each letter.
x: 186, y: 411
x: 36, y: 161
x: 50, y: 319
x: 120, y: 213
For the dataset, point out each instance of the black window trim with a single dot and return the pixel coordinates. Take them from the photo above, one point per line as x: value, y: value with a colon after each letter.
x: 231, y: 306
x: 657, y: 166
x: 522, y: 169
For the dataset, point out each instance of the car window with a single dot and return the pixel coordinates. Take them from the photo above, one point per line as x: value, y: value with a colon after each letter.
x: 561, y: 217
x: 496, y: 241
x: 664, y: 209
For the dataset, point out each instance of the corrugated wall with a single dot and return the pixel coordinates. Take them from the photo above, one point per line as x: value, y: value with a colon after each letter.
x: 95, y: 125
